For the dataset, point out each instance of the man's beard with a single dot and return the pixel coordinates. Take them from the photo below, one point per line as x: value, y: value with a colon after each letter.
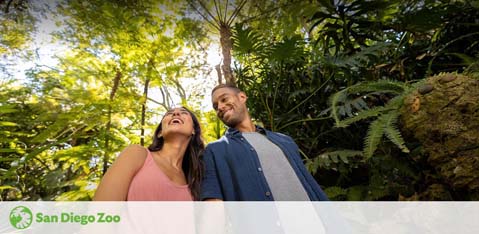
x: 234, y: 120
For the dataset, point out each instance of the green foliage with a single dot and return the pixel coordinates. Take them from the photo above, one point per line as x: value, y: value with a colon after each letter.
x: 387, y: 115
x: 330, y: 158
x: 351, y: 68
x: 327, y: 73
x: 64, y: 124
x: 17, y: 25
x: 212, y: 128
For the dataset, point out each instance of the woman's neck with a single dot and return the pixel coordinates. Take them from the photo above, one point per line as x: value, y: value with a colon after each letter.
x: 173, y: 151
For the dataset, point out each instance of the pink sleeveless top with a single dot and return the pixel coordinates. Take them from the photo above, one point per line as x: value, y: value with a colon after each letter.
x: 151, y: 184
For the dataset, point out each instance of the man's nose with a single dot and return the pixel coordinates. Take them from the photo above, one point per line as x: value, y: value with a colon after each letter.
x: 221, y: 107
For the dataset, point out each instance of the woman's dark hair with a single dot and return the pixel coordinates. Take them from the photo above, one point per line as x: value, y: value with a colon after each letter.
x: 192, y: 165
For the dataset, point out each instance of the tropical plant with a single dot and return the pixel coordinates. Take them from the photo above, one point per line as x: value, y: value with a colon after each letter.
x: 63, y: 126
x: 369, y: 59
x: 351, y: 101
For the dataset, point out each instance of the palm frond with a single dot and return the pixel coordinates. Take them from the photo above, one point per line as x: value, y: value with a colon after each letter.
x: 246, y: 41
x: 289, y: 49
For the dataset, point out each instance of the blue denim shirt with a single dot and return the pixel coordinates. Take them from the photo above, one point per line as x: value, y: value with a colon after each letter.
x: 233, y: 171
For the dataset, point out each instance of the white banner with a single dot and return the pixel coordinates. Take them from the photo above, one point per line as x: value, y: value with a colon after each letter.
x: 239, y: 217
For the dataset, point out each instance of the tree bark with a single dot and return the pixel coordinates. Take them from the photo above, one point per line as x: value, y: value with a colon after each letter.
x: 226, y: 47
x: 443, y: 114
x: 143, y: 112
x: 218, y: 72
x: 106, y: 157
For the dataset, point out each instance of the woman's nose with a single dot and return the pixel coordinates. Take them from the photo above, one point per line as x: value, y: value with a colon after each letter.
x: 176, y: 112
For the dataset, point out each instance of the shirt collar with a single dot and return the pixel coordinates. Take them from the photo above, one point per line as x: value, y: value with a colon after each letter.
x: 234, y: 131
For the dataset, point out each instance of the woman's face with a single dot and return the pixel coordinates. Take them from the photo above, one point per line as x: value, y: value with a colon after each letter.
x: 177, y: 121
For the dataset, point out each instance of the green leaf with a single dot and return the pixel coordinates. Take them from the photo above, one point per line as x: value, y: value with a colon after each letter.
x: 373, y: 138
x: 7, y: 124
x: 392, y: 133
x: 356, y: 193
x: 335, y: 192
x: 376, y: 111
x: 7, y: 109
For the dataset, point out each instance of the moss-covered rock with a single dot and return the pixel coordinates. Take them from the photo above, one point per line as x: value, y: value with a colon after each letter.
x: 443, y: 114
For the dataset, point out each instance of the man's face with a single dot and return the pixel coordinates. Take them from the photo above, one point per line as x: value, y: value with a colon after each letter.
x: 230, y: 106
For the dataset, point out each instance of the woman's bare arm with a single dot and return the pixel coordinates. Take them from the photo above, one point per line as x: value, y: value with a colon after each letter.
x: 116, y: 181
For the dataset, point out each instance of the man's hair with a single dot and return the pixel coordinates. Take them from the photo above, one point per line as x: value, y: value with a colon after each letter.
x: 229, y: 86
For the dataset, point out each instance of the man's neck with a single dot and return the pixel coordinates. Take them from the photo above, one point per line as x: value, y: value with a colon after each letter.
x: 246, y: 126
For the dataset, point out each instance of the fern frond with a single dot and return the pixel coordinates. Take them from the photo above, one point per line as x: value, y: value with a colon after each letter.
x: 335, y: 100
x: 342, y: 155
x: 334, y: 192
x: 395, y: 103
x: 392, y: 133
x: 325, y: 160
x: 383, y: 86
x: 341, y: 105
x: 356, y: 193
x: 362, y: 115
x: 352, y: 61
x: 374, y: 135
x: 350, y: 104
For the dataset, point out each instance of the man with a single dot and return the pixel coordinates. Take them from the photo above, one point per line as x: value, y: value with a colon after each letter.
x: 251, y: 163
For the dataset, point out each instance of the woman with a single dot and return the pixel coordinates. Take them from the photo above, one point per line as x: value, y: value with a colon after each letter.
x: 169, y: 170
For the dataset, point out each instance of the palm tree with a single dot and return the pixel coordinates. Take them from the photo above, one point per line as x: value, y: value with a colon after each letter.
x: 221, y: 17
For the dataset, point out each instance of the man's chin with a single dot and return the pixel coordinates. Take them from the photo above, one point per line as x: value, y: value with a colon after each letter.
x: 230, y: 123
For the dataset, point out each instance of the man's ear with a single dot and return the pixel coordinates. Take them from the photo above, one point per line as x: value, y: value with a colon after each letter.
x: 242, y: 96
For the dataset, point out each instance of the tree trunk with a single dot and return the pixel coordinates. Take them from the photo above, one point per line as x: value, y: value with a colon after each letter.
x: 443, y: 114
x: 218, y: 71
x: 106, y: 157
x: 143, y: 112
x: 226, y: 47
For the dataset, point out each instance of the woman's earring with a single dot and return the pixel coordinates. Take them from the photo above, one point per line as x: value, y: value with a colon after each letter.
x: 193, y: 133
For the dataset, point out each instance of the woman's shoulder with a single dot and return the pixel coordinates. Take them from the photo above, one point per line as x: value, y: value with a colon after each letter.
x: 135, y: 148
x: 135, y: 153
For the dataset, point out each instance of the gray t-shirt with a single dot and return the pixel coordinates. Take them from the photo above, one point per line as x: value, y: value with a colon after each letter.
x: 281, y: 178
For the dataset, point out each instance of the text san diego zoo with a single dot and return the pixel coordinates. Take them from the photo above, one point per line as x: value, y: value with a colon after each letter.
x: 75, y: 218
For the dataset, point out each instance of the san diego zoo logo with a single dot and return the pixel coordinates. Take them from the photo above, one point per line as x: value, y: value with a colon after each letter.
x: 21, y: 217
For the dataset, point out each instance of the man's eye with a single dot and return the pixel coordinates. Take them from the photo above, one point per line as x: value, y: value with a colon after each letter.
x: 185, y: 113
